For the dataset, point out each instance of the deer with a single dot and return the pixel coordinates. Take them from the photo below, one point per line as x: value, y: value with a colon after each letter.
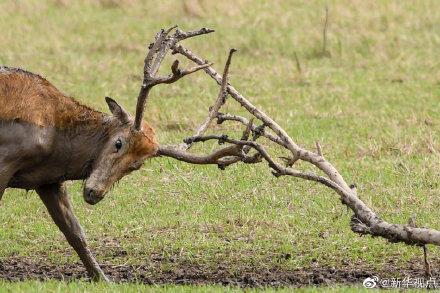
x: 48, y: 138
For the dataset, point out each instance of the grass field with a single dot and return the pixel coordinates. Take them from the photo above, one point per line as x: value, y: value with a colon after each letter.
x: 87, y: 287
x: 373, y: 103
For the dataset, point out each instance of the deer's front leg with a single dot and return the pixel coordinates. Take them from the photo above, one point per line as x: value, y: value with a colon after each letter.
x: 3, y: 185
x: 6, y: 172
x: 57, y: 201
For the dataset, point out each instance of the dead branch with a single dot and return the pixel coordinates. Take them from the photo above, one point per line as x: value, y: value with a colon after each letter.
x: 364, y: 220
x: 221, y: 99
x: 428, y: 272
x: 256, y: 130
x: 289, y: 144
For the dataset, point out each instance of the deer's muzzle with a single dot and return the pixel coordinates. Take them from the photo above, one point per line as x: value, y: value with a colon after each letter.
x: 91, y: 196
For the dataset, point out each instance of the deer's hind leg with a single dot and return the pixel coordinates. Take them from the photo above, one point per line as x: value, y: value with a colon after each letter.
x: 57, y: 201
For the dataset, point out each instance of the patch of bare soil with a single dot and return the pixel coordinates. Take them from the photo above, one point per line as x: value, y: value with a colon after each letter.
x: 16, y: 269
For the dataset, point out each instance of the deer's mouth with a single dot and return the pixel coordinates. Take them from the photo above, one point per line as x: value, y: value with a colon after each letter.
x: 92, y: 196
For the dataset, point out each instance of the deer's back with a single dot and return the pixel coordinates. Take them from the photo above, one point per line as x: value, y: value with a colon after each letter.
x: 30, y: 98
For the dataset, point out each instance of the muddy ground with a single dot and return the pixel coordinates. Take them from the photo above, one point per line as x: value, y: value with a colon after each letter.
x: 15, y: 269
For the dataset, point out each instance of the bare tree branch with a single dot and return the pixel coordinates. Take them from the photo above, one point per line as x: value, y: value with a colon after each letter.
x: 296, y: 151
x: 221, y: 99
x: 428, y: 272
x: 364, y: 220
x: 257, y: 130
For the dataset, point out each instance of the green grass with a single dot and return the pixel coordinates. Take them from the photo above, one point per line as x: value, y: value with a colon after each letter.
x: 53, y: 287
x: 373, y: 105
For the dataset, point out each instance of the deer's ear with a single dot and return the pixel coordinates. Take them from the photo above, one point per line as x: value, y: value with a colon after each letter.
x: 117, y: 111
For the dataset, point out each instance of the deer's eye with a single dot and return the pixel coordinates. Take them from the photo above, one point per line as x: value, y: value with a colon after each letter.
x: 118, y: 145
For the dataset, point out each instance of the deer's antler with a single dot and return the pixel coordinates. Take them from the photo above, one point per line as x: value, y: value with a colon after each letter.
x: 156, y: 53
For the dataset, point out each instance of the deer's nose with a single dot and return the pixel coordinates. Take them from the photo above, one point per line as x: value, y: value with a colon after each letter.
x: 91, y: 196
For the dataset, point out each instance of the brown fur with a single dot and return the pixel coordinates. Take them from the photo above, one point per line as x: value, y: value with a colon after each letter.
x: 144, y: 143
x: 37, y: 101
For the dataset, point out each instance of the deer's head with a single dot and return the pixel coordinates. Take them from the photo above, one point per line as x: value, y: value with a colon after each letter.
x: 133, y: 140
x: 125, y: 150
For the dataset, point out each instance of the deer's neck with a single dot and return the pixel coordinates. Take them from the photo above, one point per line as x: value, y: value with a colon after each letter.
x: 83, y: 144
